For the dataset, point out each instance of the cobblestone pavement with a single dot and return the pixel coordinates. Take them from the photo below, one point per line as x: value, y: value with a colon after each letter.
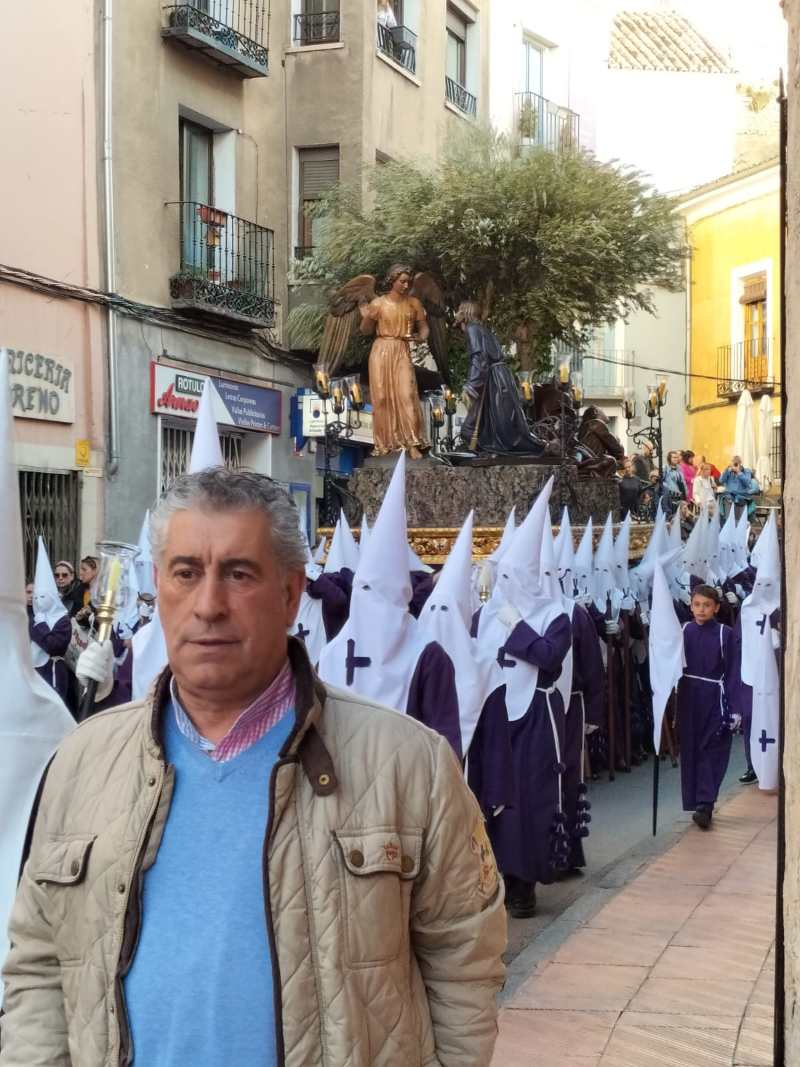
x: 676, y: 969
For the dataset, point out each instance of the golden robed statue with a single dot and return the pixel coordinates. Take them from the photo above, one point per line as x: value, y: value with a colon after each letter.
x: 398, y: 318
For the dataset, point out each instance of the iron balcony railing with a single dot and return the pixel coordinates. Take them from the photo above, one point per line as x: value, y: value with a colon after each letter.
x: 227, y: 265
x: 745, y: 365
x: 400, y: 44
x: 233, y: 33
x: 539, y: 123
x: 319, y: 28
x: 460, y: 97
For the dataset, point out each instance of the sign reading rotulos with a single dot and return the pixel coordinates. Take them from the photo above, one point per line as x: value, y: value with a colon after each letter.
x: 41, y: 386
x: 249, y: 407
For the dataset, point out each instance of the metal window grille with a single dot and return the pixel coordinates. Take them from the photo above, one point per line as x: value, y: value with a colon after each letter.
x: 176, y: 450
x: 50, y: 506
x: 776, y: 453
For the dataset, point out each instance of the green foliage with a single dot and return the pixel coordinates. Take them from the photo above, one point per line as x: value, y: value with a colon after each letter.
x: 552, y: 243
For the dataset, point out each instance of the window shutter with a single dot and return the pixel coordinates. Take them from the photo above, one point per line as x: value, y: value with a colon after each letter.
x: 319, y: 171
x: 456, y: 23
x: 755, y: 289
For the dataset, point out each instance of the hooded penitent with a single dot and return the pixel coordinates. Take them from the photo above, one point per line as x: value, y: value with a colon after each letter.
x: 622, y: 546
x: 446, y: 618
x: 552, y: 584
x: 565, y: 554
x: 607, y: 596
x: 667, y: 657
x: 143, y: 564
x: 47, y: 605
x: 641, y: 576
x: 309, y: 625
x: 33, y: 719
x: 584, y: 563
x: 343, y: 553
x: 522, y: 586
x: 376, y: 651
x: 149, y: 645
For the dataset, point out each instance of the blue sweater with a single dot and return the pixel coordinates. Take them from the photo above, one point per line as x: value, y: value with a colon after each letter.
x: 199, y: 991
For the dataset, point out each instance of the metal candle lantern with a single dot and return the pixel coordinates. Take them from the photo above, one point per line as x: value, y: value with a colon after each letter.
x: 337, y: 395
x: 652, y: 400
x: 563, y: 371
x: 354, y: 391
x: 112, y: 577
x: 577, y: 387
x: 662, y: 390
x: 526, y: 386
x: 628, y: 403
x: 322, y: 384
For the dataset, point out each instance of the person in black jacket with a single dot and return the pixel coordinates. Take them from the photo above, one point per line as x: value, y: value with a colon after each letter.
x: 69, y: 588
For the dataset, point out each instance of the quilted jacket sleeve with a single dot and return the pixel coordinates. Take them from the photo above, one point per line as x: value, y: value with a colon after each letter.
x: 458, y: 922
x: 33, y: 1029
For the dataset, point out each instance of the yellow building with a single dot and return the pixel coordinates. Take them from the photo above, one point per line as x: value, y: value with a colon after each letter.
x: 734, y: 307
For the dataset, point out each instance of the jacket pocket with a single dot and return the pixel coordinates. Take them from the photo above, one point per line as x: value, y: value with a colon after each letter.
x: 60, y: 866
x: 63, y: 861
x: 378, y: 868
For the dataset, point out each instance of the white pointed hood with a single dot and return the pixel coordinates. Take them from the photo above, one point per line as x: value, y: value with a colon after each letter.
x: 520, y: 584
x: 622, y: 550
x: 446, y: 618
x: 364, y: 533
x: 33, y: 718
x: 505, y: 540
x: 605, y: 582
x: 675, y: 536
x: 584, y: 562
x: 376, y: 651
x: 694, y: 550
x: 764, y: 537
x: 47, y: 603
x: 641, y: 576
x: 565, y: 553
x: 667, y: 658
x: 206, y: 451
x: 343, y: 553
x: 727, y: 547
x: 318, y: 555
x: 760, y: 604
x: 415, y: 564
x: 143, y: 564
x: 711, y: 550
x: 741, y: 543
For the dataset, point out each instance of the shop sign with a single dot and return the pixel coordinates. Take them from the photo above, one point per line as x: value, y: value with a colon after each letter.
x: 41, y: 386
x: 249, y: 407
x: 314, y: 419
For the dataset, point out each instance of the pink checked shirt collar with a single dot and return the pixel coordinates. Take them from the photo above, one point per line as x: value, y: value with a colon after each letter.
x: 265, y: 712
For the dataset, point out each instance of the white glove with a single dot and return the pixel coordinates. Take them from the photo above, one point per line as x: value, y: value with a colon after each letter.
x: 740, y: 592
x: 97, y: 663
x: 584, y: 600
x: 589, y: 729
x: 612, y: 627
x: 736, y: 722
x: 776, y: 639
x: 508, y: 615
x: 732, y: 598
x: 644, y: 615
x: 498, y: 809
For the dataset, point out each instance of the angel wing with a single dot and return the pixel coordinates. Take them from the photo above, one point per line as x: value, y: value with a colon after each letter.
x: 427, y: 290
x: 344, y: 318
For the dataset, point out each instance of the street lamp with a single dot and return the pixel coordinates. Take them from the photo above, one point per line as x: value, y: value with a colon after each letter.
x: 655, y: 400
x: 344, y: 395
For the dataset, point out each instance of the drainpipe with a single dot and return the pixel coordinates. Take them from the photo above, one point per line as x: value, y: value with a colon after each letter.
x: 112, y: 465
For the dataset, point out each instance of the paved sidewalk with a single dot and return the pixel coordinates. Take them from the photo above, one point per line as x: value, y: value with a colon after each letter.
x: 675, y: 970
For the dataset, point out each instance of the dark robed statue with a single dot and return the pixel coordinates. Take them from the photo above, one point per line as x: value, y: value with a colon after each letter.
x: 495, y: 422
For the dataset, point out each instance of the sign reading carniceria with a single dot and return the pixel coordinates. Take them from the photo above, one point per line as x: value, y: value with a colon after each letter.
x: 41, y: 386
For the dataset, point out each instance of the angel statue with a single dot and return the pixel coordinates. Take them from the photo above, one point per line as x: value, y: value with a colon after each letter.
x: 411, y: 309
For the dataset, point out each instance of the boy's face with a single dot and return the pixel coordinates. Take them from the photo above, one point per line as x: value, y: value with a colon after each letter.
x: 703, y: 609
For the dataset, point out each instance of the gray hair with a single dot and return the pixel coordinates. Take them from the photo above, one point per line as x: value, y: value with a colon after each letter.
x: 220, y: 489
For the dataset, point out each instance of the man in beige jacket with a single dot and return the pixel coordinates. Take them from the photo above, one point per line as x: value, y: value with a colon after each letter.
x: 250, y: 867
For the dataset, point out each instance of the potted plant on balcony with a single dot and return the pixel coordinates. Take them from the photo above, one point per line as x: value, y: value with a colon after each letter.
x: 528, y: 121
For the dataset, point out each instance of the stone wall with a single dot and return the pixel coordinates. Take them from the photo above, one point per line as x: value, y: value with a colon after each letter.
x: 439, y: 496
x: 791, y: 502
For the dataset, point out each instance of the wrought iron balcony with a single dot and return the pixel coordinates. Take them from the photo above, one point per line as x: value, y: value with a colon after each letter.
x: 227, y: 266
x: 459, y: 97
x: 232, y: 33
x: 539, y: 123
x: 400, y: 44
x: 319, y: 28
x: 745, y: 365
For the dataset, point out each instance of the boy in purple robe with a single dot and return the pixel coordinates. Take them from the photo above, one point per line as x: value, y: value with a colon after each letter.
x: 53, y: 641
x: 705, y: 716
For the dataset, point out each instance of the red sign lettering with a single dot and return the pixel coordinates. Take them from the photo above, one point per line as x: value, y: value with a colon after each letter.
x: 172, y: 402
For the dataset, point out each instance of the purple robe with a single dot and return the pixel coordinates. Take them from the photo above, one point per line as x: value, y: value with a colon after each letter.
x: 334, y: 592
x: 422, y: 587
x: 586, y: 706
x: 490, y: 765
x: 55, y: 643
x: 432, y: 697
x: 529, y: 836
x: 703, y: 711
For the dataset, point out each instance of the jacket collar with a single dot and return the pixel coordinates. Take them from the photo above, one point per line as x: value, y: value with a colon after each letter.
x: 304, y: 742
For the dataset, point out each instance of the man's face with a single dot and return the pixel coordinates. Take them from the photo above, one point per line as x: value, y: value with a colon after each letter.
x: 29, y: 594
x: 63, y: 577
x: 703, y: 608
x: 225, y: 604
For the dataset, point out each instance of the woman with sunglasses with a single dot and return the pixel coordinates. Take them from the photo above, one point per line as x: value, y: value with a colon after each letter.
x: 69, y: 588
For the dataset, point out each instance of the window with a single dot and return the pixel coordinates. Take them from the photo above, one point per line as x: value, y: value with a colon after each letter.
x: 197, y: 188
x: 317, y: 22
x: 756, y: 342
x: 49, y: 505
x: 176, y: 451
x: 319, y: 172
x: 532, y: 68
x: 456, y: 63
x: 776, y: 452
